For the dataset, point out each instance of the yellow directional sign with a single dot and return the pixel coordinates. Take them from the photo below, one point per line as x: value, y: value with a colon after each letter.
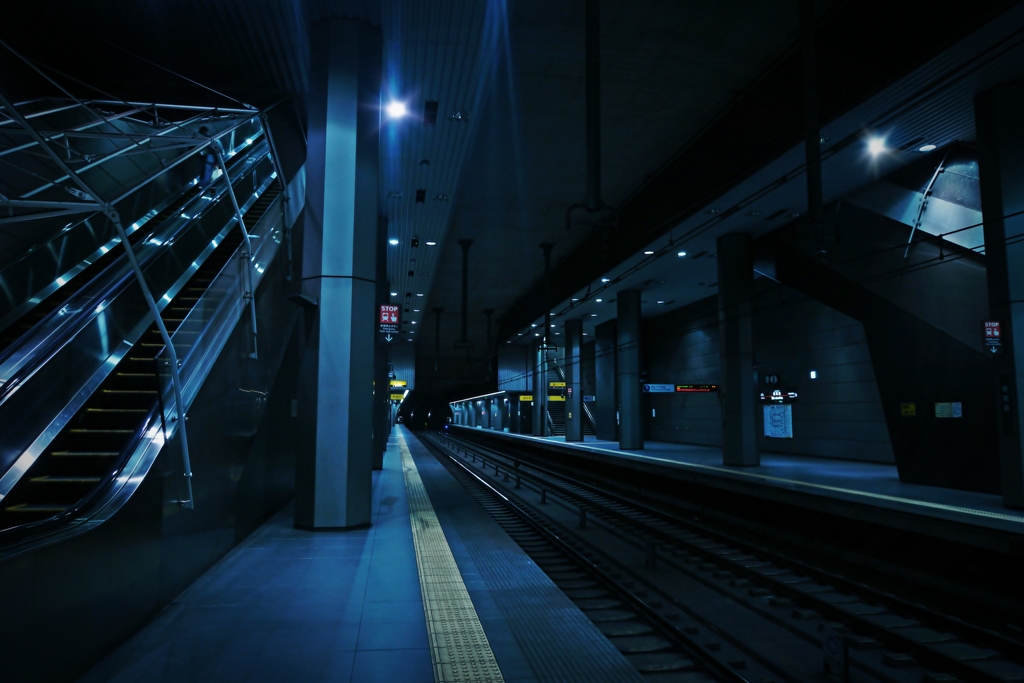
x: 398, y: 383
x: 556, y: 385
x: 397, y: 397
x: 526, y: 397
x: 555, y: 399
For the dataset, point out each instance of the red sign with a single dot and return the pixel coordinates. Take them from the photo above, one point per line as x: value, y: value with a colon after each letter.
x: 695, y: 388
x: 389, y: 322
x: 993, y: 335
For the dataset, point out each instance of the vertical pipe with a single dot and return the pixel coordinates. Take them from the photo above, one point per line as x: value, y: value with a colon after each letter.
x: 437, y: 338
x: 464, y: 340
x: 812, y: 132
x: 593, y: 103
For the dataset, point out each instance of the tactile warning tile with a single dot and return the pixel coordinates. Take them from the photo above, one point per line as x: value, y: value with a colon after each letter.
x: 458, y: 645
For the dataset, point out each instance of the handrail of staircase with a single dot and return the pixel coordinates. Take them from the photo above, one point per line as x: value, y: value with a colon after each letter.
x: 586, y: 410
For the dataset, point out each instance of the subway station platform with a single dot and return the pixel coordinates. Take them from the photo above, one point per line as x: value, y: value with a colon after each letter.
x: 432, y: 590
x: 863, y: 490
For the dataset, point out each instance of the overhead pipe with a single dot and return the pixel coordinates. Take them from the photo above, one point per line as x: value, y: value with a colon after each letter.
x: 464, y: 343
x: 593, y: 202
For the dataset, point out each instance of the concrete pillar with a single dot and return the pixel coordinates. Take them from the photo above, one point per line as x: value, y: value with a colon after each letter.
x: 998, y: 115
x: 573, y: 381
x: 506, y: 413
x: 606, y: 406
x: 736, y: 347
x: 381, y: 382
x: 540, y: 392
x: 488, y: 414
x: 631, y: 425
x: 332, y: 487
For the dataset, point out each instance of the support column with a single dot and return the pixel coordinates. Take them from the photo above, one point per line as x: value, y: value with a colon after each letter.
x: 631, y: 426
x: 736, y: 347
x: 573, y: 383
x: 998, y: 115
x: 381, y: 381
x: 506, y: 404
x: 335, y: 455
x: 606, y: 406
x: 540, y: 391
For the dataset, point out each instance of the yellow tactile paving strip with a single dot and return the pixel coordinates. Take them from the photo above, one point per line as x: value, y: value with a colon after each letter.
x: 458, y: 645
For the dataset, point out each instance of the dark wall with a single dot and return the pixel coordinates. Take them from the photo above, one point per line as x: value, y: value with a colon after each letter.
x: 916, y: 362
x: 837, y: 415
x: 66, y: 605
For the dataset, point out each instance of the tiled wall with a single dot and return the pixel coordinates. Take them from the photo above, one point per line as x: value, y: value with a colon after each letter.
x: 838, y: 415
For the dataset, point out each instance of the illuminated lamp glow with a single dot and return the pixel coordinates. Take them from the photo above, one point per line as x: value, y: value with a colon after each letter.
x: 598, y: 300
x: 392, y: 241
x: 876, y: 146
x: 648, y: 252
x: 681, y: 254
x: 396, y: 109
x: 926, y: 148
x: 394, y: 293
x: 606, y: 279
x: 431, y: 244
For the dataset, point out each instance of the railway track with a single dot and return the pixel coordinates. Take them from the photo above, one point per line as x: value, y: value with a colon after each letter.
x: 755, y: 612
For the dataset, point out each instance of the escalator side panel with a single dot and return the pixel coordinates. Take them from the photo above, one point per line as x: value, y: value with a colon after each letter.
x: 90, y: 592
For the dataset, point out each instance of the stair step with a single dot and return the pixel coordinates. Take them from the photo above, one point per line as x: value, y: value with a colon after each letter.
x: 58, y: 479
x: 84, y: 454
x: 37, y: 507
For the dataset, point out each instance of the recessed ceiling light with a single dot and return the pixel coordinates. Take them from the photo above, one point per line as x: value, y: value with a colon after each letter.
x: 681, y: 254
x: 413, y: 322
x: 396, y: 109
x: 552, y: 326
x: 648, y: 252
x: 661, y: 301
x: 585, y: 334
x: 533, y: 325
x: 520, y: 334
x: 925, y: 148
x: 392, y: 241
x: 536, y: 334
x: 575, y: 299
x: 876, y: 146
x: 394, y: 293
x: 508, y: 342
x: 415, y: 310
x: 598, y: 300
x: 606, y: 279
x: 431, y: 244
x: 419, y: 295
x: 593, y: 315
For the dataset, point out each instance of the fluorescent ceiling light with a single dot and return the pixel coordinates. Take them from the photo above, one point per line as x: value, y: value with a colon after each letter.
x: 392, y: 241
x: 396, y: 109
x: 681, y: 254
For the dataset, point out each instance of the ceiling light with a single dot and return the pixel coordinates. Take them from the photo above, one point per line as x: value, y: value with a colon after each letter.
x: 520, y: 334
x: 648, y: 252
x: 419, y: 295
x: 396, y: 109
x: 681, y: 254
x: 392, y: 241
x: 593, y: 315
x: 925, y: 148
x: 413, y: 322
x: 536, y: 334
x: 605, y: 279
x: 532, y: 325
x: 598, y: 300
x: 431, y: 244
x: 552, y: 326
x: 415, y: 310
x: 661, y: 301
x: 585, y: 334
x: 876, y: 146
x: 575, y: 299
x: 394, y: 293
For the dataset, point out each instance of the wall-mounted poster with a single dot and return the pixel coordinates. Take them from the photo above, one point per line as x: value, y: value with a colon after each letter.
x: 778, y: 421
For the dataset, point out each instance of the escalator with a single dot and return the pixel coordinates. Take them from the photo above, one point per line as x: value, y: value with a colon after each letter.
x: 93, y: 446
x: 60, y: 296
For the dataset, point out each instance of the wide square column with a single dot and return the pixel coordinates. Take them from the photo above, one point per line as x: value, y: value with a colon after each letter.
x: 631, y: 428
x: 736, y: 345
x: 606, y: 405
x: 335, y: 430
x: 998, y: 114
x: 573, y: 380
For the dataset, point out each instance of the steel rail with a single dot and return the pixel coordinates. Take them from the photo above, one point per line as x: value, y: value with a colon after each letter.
x: 926, y: 654
x: 649, y: 612
x: 250, y: 294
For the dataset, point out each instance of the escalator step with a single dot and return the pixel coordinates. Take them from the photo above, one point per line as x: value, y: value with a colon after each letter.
x: 55, y: 479
x: 101, y: 431
x: 84, y: 454
x: 38, y: 507
x: 130, y: 391
x: 116, y: 410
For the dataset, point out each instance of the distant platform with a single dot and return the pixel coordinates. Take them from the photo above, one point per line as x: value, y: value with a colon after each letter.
x: 866, y: 491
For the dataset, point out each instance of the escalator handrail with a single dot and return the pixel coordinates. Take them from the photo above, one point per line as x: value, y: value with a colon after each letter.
x: 45, y: 351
